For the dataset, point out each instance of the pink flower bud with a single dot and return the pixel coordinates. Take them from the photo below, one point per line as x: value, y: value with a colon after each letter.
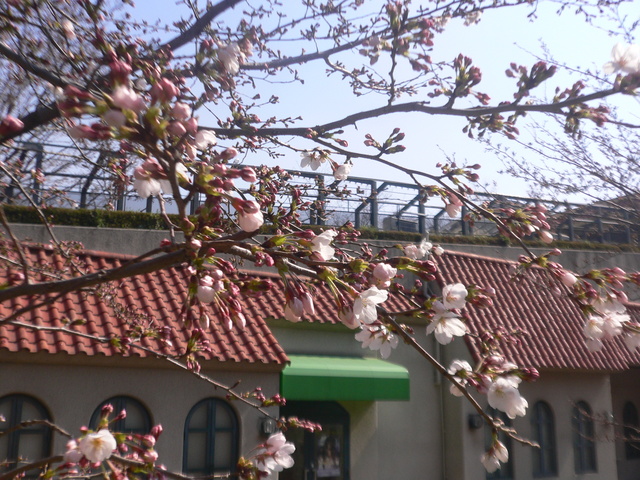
x: 545, y: 236
x: 181, y: 111
x: 10, y: 125
x: 568, y: 278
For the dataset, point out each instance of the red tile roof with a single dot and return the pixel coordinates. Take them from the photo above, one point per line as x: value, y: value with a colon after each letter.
x: 157, y: 297
x: 553, y: 324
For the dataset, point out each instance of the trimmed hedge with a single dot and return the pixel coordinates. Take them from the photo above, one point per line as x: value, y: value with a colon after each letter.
x: 88, y: 218
x: 153, y: 221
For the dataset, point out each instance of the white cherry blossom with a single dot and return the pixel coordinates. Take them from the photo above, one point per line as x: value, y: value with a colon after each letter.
x: 364, y: 308
x: 445, y: 325
x: 205, y: 139
x: 97, y: 446
x: 342, y: 171
x: 377, y: 337
x: 504, y: 395
x: 625, y: 58
x: 417, y: 252
x: 275, y: 454
x: 454, y: 296
x: 321, y: 245
x: 491, y: 459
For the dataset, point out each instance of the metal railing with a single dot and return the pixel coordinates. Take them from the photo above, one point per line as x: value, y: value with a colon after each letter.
x: 380, y: 204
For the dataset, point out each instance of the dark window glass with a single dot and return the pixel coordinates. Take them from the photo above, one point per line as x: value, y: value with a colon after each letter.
x: 138, y: 419
x: 545, y: 463
x: 631, y: 431
x: 584, y: 446
x: 26, y: 444
x: 210, y: 438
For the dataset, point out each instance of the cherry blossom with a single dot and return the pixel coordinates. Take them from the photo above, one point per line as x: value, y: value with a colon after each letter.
x: 384, y: 273
x: 231, y: 57
x: 364, y: 308
x: 294, y: 310
x: 342, y: 172
x: 625, y: 58
x: 445, y: 325
x: 126, y: 98
x: 497, y: 453
x: 250, y: 222
x: 312, y: 159
x: 275, y: 454
x: 146, y: 179
x: 416, y: 252
x: 606, y: 323
x: 455, y: 368
x: 473, y: 17
x: 545, y: 236
x: 347, y: 317
x: 454, y: 296
x: 73, y: 453
x: 97, y: 446
x: 205, y: 139
x: 321, y: 244
x: 377, y: 337
x: 503, y: 394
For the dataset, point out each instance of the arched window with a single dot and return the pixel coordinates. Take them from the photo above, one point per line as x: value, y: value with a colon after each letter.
x: 138, y: 419
x: 210, y: 438
x: 23, y: 444
x: 505, y: 472
x: 584, y: 446
x: 631, y: 431
x: 543, y: 431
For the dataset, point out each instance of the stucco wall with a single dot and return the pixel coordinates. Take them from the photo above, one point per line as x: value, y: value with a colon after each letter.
x: 389, y: 439
x: 625, y: 388
x: 72, y: 388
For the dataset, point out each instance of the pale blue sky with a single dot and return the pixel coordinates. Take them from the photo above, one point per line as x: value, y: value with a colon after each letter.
x: 501, y: 37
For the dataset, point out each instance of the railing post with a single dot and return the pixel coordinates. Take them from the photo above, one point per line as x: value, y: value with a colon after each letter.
x: 374, y: 205
x: 422, y: 221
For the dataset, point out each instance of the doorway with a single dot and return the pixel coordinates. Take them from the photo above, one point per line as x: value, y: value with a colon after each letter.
x: 320, y: 455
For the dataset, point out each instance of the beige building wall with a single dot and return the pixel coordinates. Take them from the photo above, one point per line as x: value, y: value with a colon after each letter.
x: 625, y: 388
x: 389, y: 439
x: 72, y: 387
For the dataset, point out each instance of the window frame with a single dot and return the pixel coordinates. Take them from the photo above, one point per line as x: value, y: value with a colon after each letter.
x: 119, y: 403
x: 210, y: 430
x: 584, y: 446
x: 631, y: 431
x: 17, y: 436
x: 545, y: 458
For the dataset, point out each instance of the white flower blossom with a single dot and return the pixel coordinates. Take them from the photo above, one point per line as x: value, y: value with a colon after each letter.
x: 504, y: 395
x: 321, y: 244
x: 625, y: 58
x: 312, y: 159
x: 455, y: 367
x: 342, y: 172
x: 97, y: 446
x: 205, y: 139
x: 445, y: 325
x: 275, y: 454
x: 231, y: 57
x: 364, y: 308
x: 454, y: 296
x: 473, y: 17
x: 416, y: 252
x: 377, y: 337
x: 496, y: 454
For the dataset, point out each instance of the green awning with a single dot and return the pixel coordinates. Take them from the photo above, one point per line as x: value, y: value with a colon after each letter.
x: 343, y: 378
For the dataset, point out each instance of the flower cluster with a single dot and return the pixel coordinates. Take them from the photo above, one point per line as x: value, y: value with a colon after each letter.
x: 446, y: 322
x: 274, y: 455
